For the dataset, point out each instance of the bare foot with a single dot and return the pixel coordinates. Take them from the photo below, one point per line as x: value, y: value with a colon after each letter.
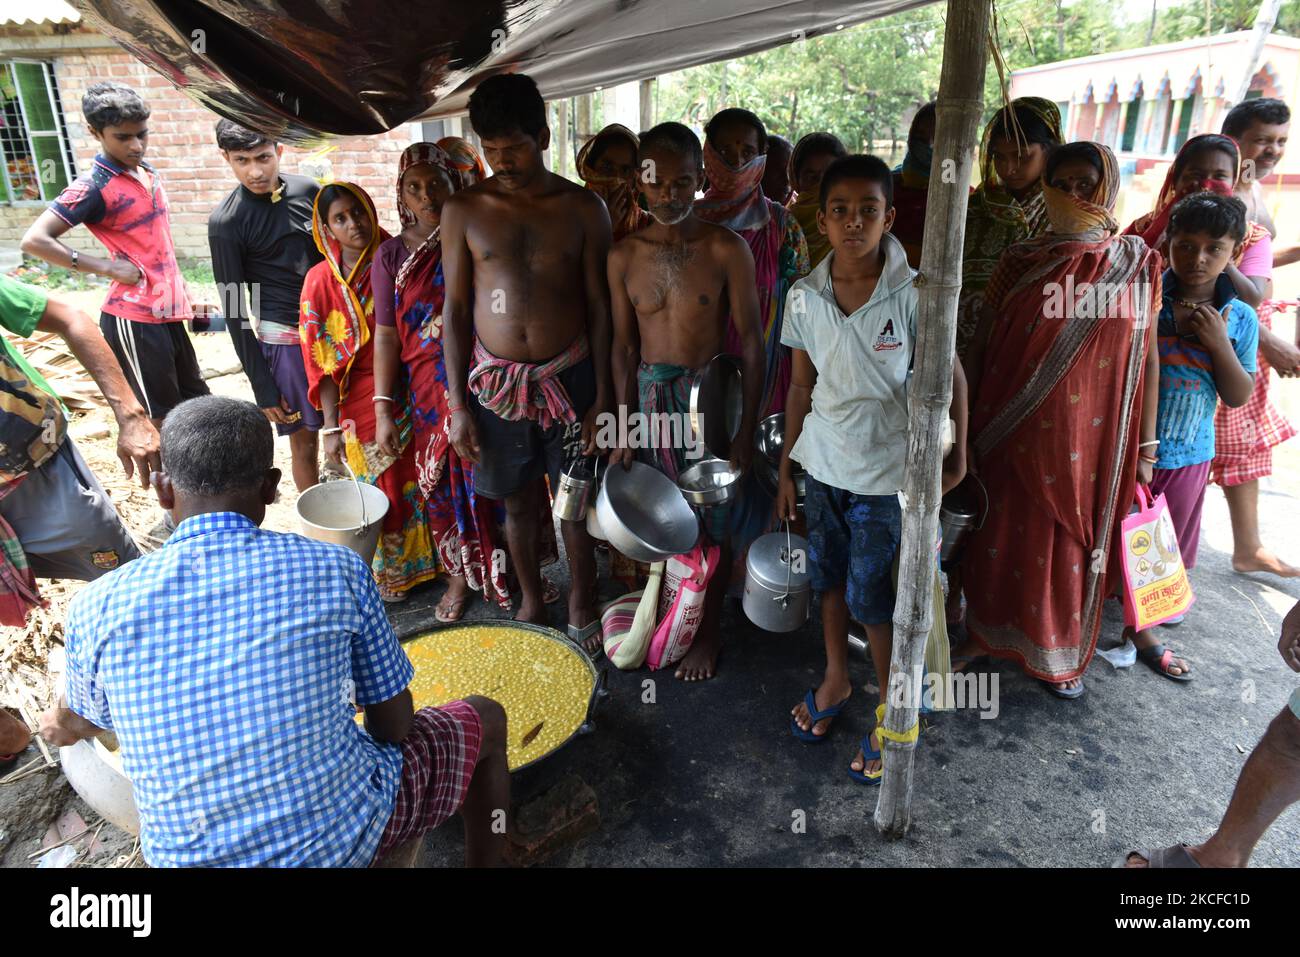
x: 533, y: 614
x: 1262, y: 560
x: 700, y: 661
x: 829, y: 694
x: 1068, y: 685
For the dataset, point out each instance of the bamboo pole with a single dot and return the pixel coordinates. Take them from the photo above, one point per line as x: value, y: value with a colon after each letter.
x: 960, y: 105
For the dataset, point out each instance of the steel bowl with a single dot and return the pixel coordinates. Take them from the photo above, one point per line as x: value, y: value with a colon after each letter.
x: 769, y: 438
x: 709, y: 482
x: 717, y: 404
x: 644, y: 514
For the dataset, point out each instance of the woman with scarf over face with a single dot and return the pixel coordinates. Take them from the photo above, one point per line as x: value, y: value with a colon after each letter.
x: 1066, y: 394
x: 812, y: 154
x: 1007, y: 206
x: 337, y: 326
x: 1211, y: 162
x: 607, y: 165
x: 409, y: 295
x: 734, y: 163
x: 912, y: 184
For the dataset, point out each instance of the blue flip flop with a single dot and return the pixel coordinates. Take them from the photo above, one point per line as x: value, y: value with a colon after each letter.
x: 810, y: 702
x: 868, y: 755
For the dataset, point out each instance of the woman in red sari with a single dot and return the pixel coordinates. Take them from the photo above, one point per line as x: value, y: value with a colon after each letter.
x: 1062, y: 358
x: 337, y: 325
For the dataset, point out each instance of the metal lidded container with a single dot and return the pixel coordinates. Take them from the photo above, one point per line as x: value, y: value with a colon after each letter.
x: 778, y: 585
x: 577, y: 490
x: 958, y: 513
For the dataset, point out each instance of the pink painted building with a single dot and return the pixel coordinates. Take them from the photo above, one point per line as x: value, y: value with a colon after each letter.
x: 1145, y: 103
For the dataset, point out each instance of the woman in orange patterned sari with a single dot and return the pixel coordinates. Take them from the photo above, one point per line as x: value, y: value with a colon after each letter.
x: 337, y: 326
x: 1065, y: 346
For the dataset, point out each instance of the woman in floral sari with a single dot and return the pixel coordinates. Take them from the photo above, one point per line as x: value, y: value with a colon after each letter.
x: 337, y: 328
x: 408, y: 366
x: 1063, y: 397
x: 734, y: 163
x: 1007, y: 206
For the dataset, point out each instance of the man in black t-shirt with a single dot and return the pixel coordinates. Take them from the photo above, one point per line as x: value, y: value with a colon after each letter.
x: 260, y: 237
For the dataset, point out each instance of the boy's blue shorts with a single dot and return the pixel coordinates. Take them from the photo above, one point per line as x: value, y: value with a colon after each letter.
x: 853, y: 541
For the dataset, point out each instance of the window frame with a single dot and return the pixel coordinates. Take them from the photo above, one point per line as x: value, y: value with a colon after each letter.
x: 60, y: 132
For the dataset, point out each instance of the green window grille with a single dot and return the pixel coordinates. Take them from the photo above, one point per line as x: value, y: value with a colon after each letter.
x: 35, y: 160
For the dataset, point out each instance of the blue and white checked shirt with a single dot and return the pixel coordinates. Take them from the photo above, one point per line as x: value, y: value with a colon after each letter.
x: 227, y: 663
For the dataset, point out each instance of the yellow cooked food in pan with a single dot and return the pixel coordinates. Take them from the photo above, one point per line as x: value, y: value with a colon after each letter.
x: 542, y: 684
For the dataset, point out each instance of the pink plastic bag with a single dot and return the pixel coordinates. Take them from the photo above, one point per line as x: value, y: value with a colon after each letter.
x: 1155, y: 582
x: 681, y: 605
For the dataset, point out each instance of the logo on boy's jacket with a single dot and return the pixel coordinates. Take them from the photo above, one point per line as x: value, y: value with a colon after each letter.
x: 887, y: 341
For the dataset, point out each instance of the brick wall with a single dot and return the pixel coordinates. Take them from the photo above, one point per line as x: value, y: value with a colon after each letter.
x: 182, y: 147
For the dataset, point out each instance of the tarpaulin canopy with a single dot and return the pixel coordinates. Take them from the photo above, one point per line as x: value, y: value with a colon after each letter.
x: 302, y: 68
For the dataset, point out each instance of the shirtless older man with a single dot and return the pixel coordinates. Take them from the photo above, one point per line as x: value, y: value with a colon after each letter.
x: 526, y: 333
x: 673, y: 285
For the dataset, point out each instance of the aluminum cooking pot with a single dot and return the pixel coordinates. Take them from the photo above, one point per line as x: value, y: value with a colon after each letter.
x: 643, y: 514
x: 778, y: 587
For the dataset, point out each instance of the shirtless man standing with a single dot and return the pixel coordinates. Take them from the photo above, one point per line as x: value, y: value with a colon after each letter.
x: 526, y: 334
x: 673, y: 285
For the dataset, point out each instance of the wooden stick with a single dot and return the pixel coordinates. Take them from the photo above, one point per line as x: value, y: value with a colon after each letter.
x: 22, y: 772
x: 960, y: 104
x: 27, y: 709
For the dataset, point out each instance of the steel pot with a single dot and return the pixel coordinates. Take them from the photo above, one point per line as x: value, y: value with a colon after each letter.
x: 709, y: 482
x: 958, y: 513
x: 644, y: 515
x: 577, y: 491
x: 778, y: 587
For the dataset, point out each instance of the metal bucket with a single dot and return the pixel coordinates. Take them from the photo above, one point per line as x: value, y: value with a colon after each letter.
x: 577, y: 491
x: 958, y: 514
x: 344, y: 513
x: 778, y: 588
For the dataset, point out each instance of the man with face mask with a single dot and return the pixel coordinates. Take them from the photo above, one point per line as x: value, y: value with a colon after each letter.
x: 673, y: 286
x: 260, y: 237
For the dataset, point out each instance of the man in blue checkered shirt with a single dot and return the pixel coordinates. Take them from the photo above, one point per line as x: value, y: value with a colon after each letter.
x: 228, y: 663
